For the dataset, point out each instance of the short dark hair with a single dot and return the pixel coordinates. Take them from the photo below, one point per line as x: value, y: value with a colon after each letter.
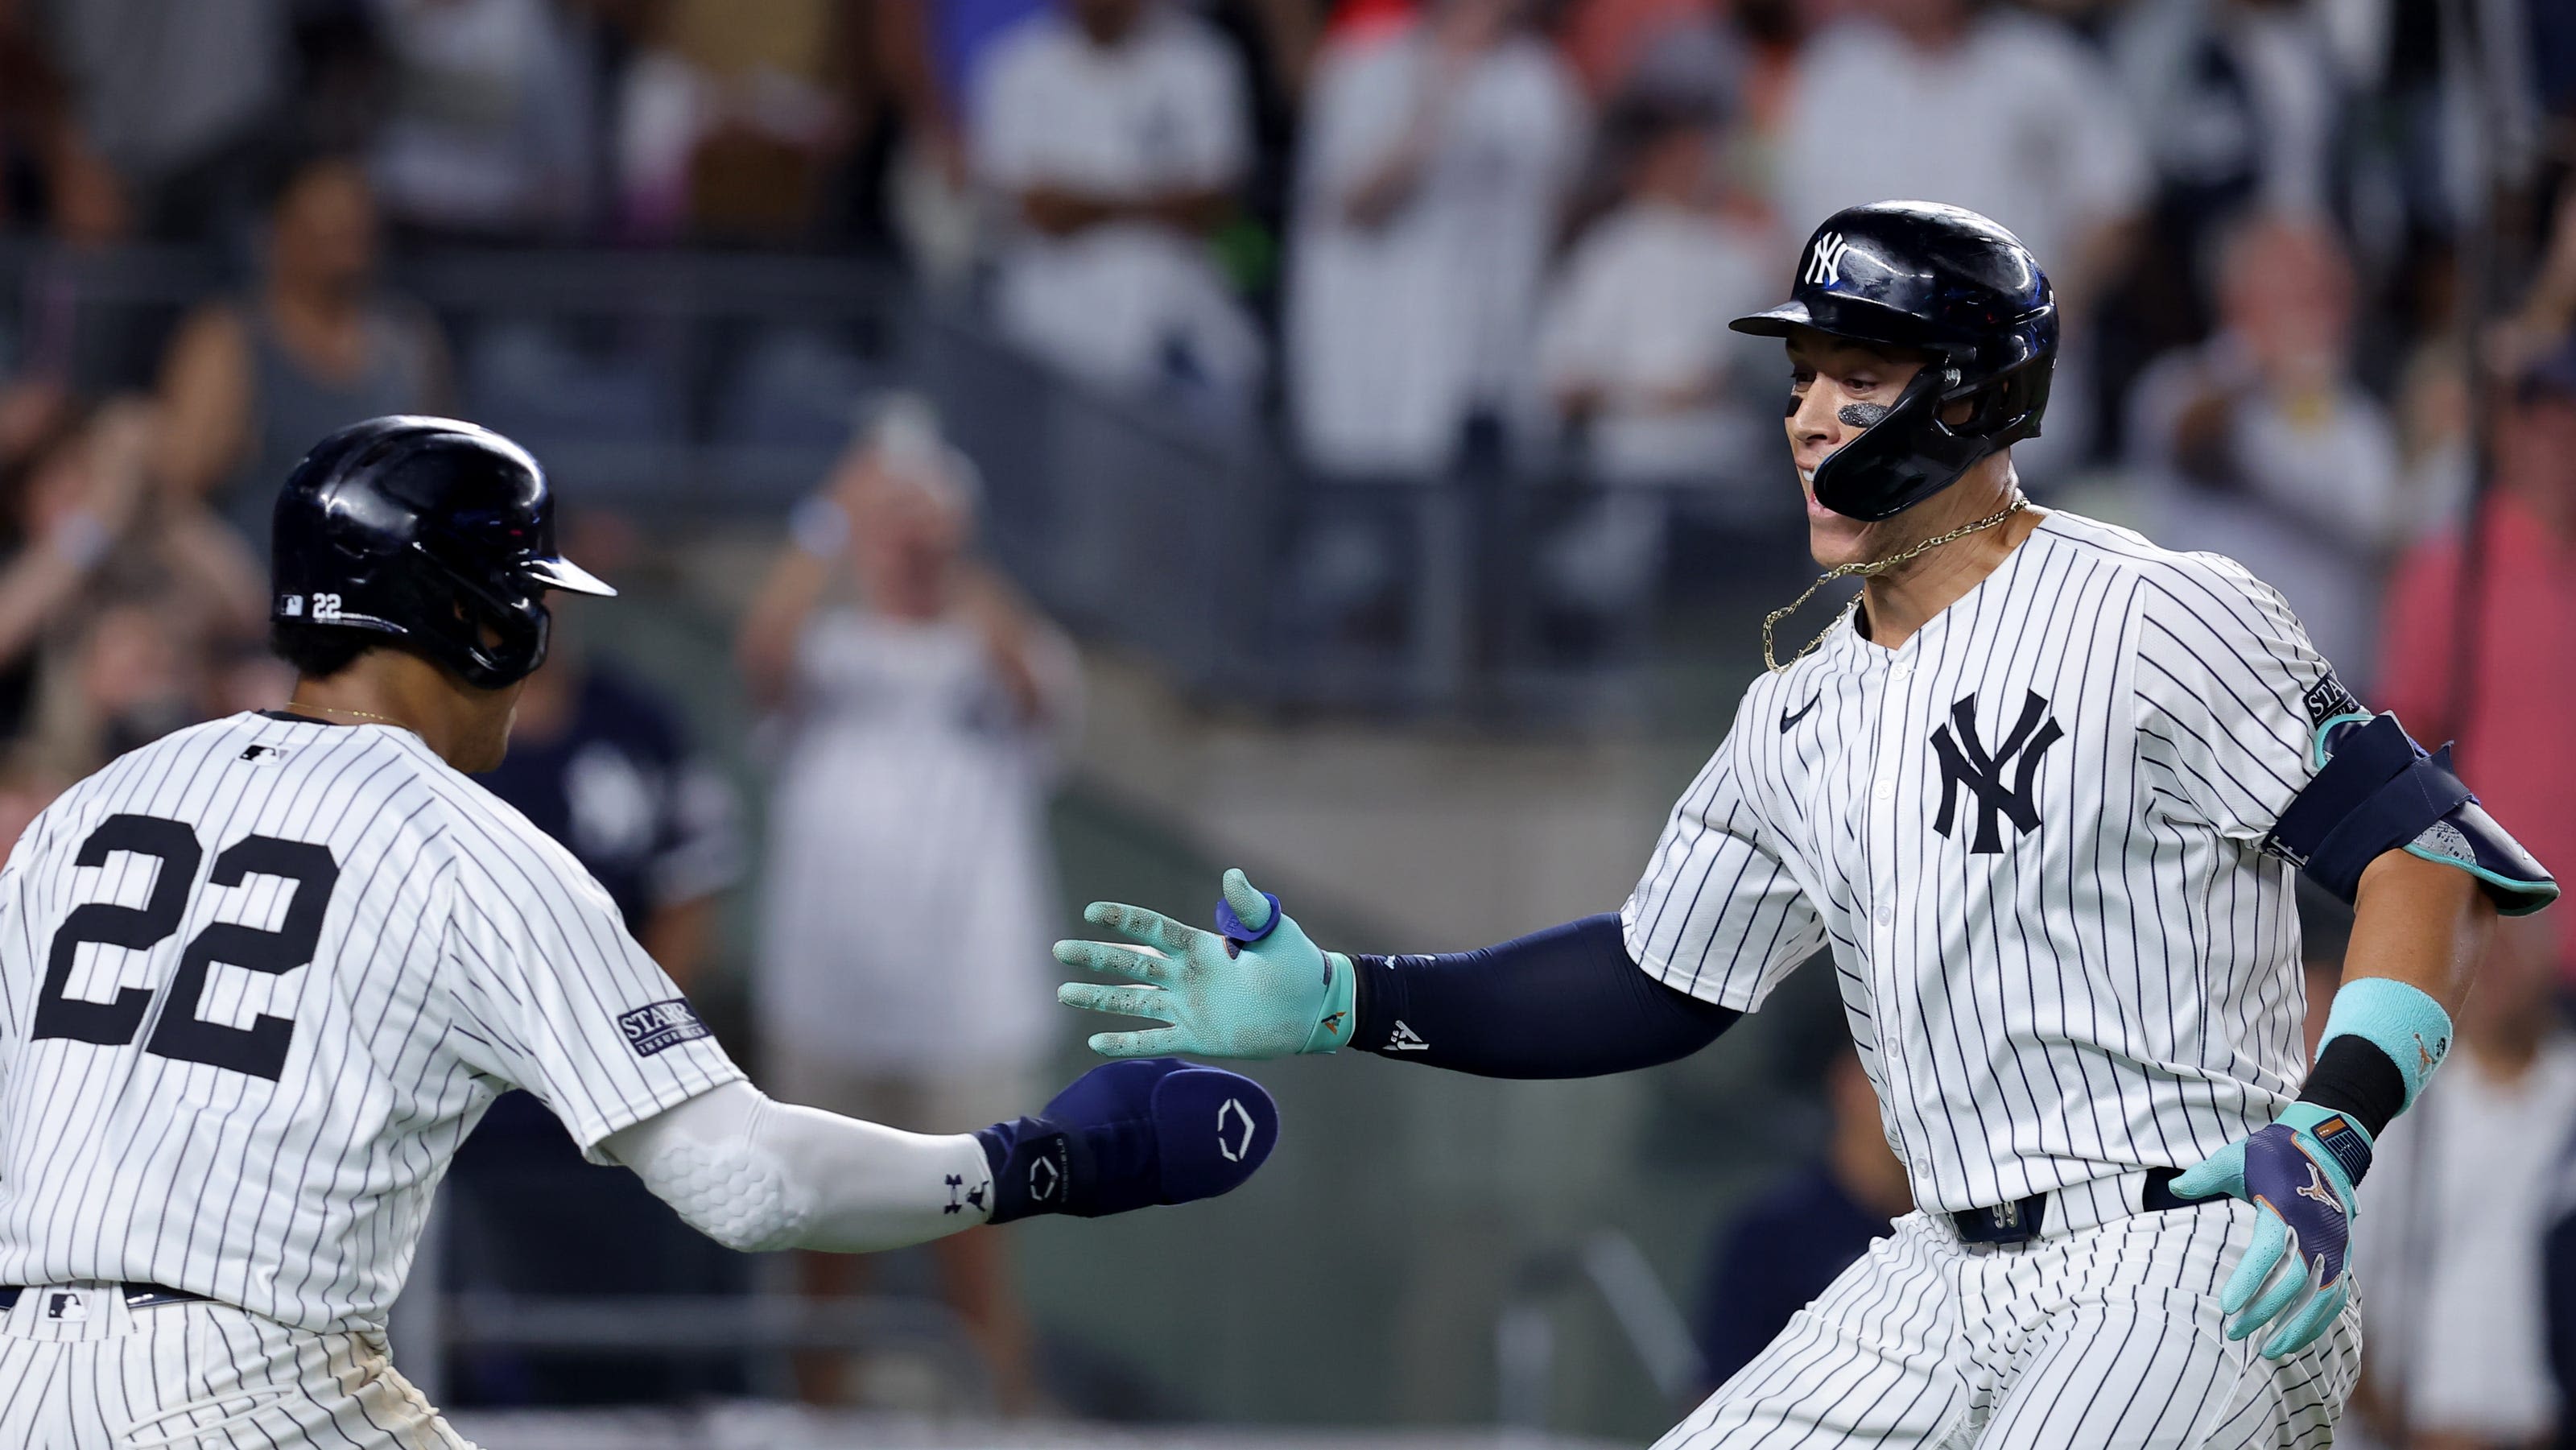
x: 317, y: 651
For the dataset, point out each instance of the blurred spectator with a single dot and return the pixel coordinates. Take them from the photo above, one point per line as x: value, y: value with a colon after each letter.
x: 250, y: 383
x: 2241, y: 100
x: 910, y: 895
x: 2434, y: 391
x: 70, y: 491
x: 183, y: 99
x: 2452, y: 1244
x: 1634, y: 341
x: 2520, y: 674
x: 600, y: 761
x: 488, y: 129
x: 1666, y: 49
x: 1635, y: 352
x: 1781, y: 1252
x: 121, y: 600
x: 732, y: 118
x: 49, y: 171
x: 1993, y: 109
x: 1114, y: 137
x: 2261, y: 446
x: 2243, y: 106
x: 1436, y: 158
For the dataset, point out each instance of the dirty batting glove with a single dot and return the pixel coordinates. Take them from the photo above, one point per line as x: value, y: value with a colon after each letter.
x: 1253, y: 988
x: 2299, y: 1174
x: 1131, y: 1135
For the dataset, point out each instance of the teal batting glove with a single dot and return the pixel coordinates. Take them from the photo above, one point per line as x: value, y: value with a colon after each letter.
x: 1254, y: 988
x: 2299, y: 1175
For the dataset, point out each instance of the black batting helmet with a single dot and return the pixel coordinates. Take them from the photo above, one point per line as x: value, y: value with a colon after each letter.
x: 436, y: 534
x: 1940, y: 280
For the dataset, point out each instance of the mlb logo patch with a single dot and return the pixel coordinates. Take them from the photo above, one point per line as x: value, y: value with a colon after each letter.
x: 66, y: 1306
x: 662, y: 1025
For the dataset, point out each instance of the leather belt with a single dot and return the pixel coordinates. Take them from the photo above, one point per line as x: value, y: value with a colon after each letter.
x: 2019, y: 1221
x: 137, y: 1295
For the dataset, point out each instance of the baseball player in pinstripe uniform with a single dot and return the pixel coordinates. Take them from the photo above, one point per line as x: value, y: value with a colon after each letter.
x: 260, y: 978
x: 2039, y: 793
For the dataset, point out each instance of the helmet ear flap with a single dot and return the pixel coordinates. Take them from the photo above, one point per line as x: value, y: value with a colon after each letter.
x: 2006, y: 408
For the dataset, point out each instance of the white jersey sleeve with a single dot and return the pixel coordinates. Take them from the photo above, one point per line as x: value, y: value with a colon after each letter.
x: 1718, y: 914
x: 550, y: 993
x: 2229, y: 695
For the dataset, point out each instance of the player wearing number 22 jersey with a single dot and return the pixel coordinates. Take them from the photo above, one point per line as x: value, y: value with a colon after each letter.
x: 260, y: 978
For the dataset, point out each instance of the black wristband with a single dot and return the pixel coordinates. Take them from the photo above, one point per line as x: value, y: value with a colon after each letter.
x: 2353, y: 1076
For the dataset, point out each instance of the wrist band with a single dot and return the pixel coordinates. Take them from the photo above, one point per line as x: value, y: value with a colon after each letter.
x: 2355, y: 1077
x: 2401, y: 1021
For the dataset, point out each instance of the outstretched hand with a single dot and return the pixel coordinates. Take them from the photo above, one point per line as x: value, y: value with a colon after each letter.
x: 1256, y: 988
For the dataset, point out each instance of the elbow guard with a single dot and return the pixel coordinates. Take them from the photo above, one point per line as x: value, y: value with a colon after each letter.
x: 714, y: 1171
x: 2376, y: 791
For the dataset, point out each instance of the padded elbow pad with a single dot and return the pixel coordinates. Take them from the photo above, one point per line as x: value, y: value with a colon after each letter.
x: 2377, y: 791
x: 730, y: 1190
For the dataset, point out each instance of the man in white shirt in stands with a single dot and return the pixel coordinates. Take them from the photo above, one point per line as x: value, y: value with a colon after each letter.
x: 2260, y: 444
x: 2453, y: 1323
x: 1432, y: 167
x: 1634, y: 347
x: 1113, y: 135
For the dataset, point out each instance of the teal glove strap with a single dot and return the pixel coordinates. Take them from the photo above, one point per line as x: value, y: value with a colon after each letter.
x: 1275, y: 997
x: 2400, y: 1020
x: 2299, y: 1175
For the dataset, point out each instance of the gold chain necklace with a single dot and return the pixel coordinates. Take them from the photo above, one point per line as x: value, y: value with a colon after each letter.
x: 344, y: 710
x: 1865, y: 570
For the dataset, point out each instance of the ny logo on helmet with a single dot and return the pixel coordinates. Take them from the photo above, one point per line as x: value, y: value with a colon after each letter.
x: 1825, y: 263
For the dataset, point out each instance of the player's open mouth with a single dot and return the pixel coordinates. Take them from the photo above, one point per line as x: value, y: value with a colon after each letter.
x: 1815, y: 510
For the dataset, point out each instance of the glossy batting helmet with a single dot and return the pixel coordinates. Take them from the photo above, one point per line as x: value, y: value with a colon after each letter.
x: 1940, y: 280
x: 436, y: 534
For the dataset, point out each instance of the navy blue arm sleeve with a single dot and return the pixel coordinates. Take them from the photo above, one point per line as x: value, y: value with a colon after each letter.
x: 1564, y: 1002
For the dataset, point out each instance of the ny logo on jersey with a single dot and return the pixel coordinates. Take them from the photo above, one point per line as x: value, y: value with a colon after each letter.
x: 1965, y: 761
x: 1825, y: 263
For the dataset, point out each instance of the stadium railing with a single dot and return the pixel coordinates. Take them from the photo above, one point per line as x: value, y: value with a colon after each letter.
x: 690, y: 389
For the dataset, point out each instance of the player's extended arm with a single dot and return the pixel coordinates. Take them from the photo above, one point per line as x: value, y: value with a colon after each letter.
x: 2389, y: 828
x: 754, y: 1174
x: 1565, y: 1002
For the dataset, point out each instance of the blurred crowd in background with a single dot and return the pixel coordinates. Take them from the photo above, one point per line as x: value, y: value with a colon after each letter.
x: 1407, y: 244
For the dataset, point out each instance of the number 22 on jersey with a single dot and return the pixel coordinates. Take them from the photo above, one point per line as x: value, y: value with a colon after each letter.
x: 181, y: 1034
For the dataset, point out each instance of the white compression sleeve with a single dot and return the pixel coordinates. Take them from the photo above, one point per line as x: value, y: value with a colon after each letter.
x: 754, y: 1175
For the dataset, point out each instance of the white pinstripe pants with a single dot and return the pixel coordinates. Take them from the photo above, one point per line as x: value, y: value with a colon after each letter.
x: 2106, y: 1337
x: 199, y: 1377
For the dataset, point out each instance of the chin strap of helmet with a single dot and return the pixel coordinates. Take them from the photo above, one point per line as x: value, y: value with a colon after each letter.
x: 1867, y: 568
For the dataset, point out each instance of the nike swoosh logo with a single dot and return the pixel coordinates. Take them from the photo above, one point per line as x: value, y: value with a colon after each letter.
x: 1787, y: 720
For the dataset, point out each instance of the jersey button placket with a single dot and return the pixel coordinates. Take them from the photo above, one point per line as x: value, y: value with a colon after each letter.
x: 1882, y: 837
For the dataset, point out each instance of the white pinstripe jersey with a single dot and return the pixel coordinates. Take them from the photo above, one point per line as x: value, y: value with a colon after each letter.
x: 257, y: 982
x: 2032, y: 838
